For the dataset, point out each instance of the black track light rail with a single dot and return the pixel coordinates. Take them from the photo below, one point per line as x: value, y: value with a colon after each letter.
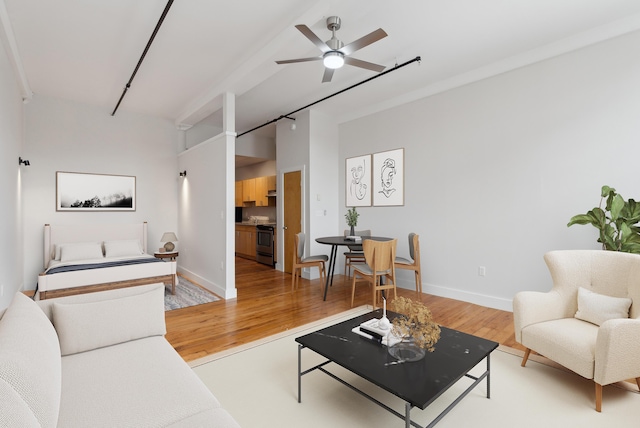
x: 144, y: 53
x: 416, y: 59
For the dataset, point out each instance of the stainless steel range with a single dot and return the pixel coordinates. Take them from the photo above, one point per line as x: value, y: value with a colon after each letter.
x: 264, y: 244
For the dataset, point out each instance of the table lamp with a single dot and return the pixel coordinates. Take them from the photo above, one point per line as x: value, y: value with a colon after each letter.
x: 168, y: 239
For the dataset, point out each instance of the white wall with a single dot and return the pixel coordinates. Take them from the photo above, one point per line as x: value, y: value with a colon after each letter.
x: 495, y: 169
x: 206, y: 214
x: 66, y: 136
x: 11, y: 182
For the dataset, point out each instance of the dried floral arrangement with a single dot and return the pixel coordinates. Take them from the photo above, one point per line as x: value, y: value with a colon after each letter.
x: 416, y: 323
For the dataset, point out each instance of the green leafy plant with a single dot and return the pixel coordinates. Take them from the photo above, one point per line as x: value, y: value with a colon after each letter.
x: 617, y: 222
x: 352, y: 217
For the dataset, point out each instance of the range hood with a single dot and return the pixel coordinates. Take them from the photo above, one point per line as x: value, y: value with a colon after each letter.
x: 271, y: 194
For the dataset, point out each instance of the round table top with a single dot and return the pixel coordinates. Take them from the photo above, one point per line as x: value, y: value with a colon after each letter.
x: 341, y: 240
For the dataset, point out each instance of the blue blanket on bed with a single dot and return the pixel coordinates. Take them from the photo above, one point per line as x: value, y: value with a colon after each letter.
x: 71, y: 268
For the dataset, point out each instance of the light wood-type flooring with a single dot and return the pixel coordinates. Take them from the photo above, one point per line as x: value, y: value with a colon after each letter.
x: 266, y: 306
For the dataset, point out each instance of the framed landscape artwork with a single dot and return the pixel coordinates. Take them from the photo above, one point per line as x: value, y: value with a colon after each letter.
x: 388, y: 178
x: 76, y: 191
x: 358, y: 181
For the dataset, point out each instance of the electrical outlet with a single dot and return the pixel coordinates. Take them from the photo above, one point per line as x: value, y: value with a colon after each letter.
x: 222, y: 265
x: 482, y: 271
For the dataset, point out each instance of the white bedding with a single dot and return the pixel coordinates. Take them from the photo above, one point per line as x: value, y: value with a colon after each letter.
x: 112, y: 238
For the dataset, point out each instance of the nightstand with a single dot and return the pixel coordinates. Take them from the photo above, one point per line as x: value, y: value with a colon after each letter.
x: 168, y: 255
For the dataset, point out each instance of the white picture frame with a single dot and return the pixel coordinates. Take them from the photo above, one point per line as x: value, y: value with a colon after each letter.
x: 358, y: 181
x: 388, y: 178
x: 78, y: 191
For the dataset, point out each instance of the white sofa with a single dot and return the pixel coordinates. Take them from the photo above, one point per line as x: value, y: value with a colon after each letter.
x: 98, y: 360
x: 589, y: 321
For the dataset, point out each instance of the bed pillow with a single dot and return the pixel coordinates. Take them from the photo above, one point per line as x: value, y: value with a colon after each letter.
x: 598, y: 308
x: 86, y: 326
x: 81, y: 251
x: 122, y: 248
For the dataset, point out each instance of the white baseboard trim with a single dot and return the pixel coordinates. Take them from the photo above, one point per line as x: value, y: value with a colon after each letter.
x: 465, y: 296
x: 214, y: 288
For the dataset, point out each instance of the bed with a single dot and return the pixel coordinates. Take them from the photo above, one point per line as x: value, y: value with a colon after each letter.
x: 86, y: 258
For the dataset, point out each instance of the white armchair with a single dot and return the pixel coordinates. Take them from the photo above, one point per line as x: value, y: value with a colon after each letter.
x: 589, y: 321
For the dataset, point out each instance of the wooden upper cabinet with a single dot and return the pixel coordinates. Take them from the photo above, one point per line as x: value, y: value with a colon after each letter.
x: 249, y: 190
x: 261, y: 192
x: 271, y: 182
x: 239, y: 193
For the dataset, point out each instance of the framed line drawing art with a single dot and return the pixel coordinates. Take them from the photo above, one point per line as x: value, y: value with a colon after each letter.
x: 358, y: 181
x: 78, y: 191
x: 388, y: 178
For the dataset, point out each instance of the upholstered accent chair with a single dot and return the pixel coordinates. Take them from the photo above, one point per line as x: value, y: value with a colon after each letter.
x: 300, y: 262
x: 589, y: 322
x: 378, y: 269
x: 413, y: 262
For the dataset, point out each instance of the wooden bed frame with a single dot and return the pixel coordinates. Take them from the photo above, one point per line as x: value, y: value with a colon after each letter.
x: 86, y: 281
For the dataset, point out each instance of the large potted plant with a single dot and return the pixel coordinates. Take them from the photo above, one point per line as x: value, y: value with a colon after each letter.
x: 616, y: 222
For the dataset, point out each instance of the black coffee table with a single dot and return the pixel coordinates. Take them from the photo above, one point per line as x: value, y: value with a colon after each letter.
x: 417, y: 383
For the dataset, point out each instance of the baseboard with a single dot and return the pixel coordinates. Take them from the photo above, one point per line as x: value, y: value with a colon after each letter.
x: 214, y: 288
x: 466, y: 296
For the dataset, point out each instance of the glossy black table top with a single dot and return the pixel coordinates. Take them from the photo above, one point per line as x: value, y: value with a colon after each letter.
x: 418, y: 383
x: 341, y: 240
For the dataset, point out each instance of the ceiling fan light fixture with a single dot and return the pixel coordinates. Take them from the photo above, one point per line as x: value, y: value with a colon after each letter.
x: 333, y: 59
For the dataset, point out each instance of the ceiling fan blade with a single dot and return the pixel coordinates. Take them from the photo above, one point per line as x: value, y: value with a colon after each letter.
x: 328, y: 74
x: 363, y: 64
x: 291, y: 61
x: 372, y: 37
x: 312, y: 36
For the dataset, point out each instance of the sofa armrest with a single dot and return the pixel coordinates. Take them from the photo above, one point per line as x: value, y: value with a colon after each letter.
x: 532, y: 307
x: 617, y: 350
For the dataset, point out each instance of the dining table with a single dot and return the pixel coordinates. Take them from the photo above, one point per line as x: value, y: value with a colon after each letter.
x: 338, y: 241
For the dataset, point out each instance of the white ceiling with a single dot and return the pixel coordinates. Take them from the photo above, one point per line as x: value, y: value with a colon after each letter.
x: 86, y: 51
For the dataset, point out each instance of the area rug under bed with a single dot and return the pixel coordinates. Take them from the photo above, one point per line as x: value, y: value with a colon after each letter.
x: 187, y: 294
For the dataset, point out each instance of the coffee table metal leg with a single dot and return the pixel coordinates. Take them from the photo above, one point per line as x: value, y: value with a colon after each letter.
x: 489, y: 376
x: 300, y: 373
x: 407, y: 415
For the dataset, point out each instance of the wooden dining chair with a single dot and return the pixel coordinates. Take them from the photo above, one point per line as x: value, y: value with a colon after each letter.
x: 355, y: 254
x: 300, y: 262
x: 414, y: 262
x: 378, y: 269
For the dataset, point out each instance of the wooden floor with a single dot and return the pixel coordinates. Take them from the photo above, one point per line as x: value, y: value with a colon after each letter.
x: 266, y: 306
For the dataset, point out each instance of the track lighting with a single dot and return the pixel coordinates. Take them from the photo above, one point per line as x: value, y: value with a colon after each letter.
x: 183, y: 173
x: 23, y: 162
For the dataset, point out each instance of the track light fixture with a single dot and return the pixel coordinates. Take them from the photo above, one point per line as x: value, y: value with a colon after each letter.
x: 183, y: 173
x: 23, y: 162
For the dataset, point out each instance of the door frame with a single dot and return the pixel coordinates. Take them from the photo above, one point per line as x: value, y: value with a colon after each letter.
x: 280, y: 208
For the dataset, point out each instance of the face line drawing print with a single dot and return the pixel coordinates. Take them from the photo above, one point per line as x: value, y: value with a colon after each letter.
x: 357, y: 188
x: 387, y: 172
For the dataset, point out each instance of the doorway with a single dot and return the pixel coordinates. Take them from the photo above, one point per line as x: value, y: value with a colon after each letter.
x: 292, y: 208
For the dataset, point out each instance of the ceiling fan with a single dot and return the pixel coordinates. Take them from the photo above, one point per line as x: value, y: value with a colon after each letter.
x: 335, y: 53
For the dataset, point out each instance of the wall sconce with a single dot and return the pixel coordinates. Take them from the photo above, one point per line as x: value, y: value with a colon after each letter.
x: 183, y: 173
x: 23, y: 162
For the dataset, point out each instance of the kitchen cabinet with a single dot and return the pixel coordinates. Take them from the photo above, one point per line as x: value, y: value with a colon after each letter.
x: 261, y: 192
x: 246, y: 241
x: 271, y: 182
x: 249, y: 190
x: 239, y: 194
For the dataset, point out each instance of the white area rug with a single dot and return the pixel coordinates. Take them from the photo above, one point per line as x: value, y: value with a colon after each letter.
x: 257, y: 384
x: 187, y: 294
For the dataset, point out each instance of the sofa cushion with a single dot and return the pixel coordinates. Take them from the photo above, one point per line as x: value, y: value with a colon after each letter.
x: 141, y: 383
x: 567, y: 341
x: 87, y: 326
x: 30, y: 367
x: 598, y: 308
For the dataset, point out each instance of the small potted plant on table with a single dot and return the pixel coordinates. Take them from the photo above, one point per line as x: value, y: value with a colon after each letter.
x: 352, y: 220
